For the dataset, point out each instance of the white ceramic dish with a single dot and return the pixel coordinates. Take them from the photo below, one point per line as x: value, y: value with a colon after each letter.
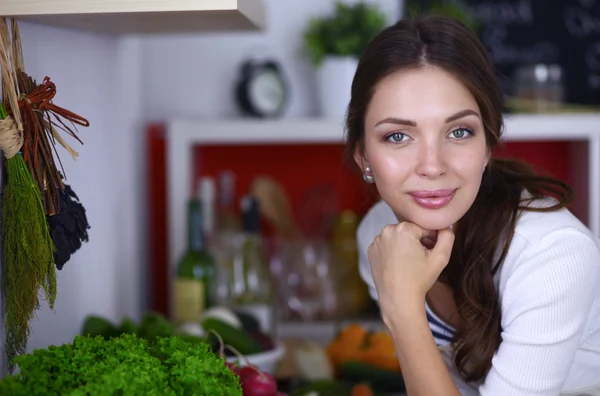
x: 266, y: 361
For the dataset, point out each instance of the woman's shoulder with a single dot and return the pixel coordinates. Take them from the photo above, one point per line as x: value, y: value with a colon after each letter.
x: 535, y: 226
x: 552, y: 243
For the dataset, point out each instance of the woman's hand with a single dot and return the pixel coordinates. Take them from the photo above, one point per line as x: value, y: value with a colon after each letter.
x: 406, y: 260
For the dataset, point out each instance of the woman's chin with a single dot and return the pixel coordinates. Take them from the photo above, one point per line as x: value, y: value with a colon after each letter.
x: 432, y: 222
x: 429, y: 219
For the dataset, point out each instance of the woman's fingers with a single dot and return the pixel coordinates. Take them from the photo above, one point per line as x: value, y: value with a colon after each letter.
x: 440, y: 254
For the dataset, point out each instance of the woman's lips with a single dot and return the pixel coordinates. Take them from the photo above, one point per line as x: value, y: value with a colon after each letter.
x: 433, y: 199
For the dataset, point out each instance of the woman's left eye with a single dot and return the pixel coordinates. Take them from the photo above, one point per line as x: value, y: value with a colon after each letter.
x: 461, y: 133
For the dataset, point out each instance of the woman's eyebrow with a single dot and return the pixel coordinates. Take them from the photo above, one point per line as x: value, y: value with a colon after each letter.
x: 403, y: 121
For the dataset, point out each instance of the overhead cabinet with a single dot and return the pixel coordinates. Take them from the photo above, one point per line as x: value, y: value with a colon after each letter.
x: 117, y: 17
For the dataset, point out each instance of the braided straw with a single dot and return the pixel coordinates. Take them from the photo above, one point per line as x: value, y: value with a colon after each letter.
x: 9, y: 84
x: 11, y: 139
x: 17, y: 49
x: 11, y: 128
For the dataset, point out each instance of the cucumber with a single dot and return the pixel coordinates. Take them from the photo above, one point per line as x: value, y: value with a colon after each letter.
x: 379, y: 379
x: 224, y: 314
x: 237, y: 338
x: 248, y: 321
x: 322, y: 388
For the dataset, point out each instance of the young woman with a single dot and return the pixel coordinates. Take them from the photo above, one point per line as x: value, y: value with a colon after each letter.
x: 487, y: 283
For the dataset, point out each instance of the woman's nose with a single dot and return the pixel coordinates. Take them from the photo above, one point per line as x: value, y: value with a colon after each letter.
x: 430, y: 161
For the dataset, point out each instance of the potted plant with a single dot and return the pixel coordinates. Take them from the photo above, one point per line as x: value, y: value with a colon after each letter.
x: 334, y: 43
x: 456, y: 9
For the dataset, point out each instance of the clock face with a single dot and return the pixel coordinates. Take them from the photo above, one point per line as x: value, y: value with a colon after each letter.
x: 267, y: 91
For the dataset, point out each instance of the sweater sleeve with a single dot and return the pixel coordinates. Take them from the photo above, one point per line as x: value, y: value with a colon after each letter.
x: 364, y: 238
x: 545, y: 307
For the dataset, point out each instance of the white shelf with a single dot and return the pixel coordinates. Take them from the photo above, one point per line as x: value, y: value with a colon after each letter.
x: 253, y: 131
x: 544, y: 127
x: 321, y: 331
x: 318, y: 131
x: 183, y: 135
x: 140, y: 16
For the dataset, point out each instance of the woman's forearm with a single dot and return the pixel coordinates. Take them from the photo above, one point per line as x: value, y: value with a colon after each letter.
x: 423, y: 368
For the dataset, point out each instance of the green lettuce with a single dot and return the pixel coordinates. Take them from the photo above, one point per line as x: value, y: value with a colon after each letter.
x: 124, y: 365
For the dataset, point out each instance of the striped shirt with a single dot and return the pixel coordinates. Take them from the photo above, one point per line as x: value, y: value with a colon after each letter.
x: 442, y: 332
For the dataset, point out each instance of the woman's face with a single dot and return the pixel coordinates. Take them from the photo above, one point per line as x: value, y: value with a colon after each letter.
x: 425, y: 145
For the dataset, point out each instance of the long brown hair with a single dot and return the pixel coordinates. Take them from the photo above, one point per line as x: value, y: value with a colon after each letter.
x: 484, y: 234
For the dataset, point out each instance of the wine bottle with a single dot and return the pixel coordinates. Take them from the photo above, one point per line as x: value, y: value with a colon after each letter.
x: 253, y: 287
x: 194, y: 270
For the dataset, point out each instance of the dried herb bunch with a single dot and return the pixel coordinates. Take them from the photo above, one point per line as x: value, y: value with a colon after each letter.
x: 27, y: 253
x: 32, y: 192
x: 41, y: 119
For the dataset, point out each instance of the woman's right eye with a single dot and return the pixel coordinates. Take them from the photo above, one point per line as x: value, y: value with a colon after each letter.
x: 396, y: 137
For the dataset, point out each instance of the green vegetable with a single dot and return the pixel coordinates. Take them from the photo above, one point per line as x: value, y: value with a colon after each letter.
x: 127, y: 326
x: 126, y: 365
x: 322, y: 388
x: 98, y: 326
x: 224, y: 314
x: 155, y: 325
x: 248, y: 321
x: 237, y: 338
x: 379, y: 379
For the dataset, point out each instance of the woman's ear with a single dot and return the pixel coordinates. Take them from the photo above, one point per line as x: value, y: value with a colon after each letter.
x: 487, y: 158
x: 359, y: 158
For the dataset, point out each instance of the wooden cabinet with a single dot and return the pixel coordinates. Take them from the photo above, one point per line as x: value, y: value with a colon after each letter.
x: 117, y: 17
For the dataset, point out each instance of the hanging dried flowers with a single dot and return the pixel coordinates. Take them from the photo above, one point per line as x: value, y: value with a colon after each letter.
x: 27, y: 248
x: 34, y: 241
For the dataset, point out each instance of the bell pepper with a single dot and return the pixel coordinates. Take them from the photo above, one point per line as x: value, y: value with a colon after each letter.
x: 354, y: 343
x: 347, y: 345
x: 379, y: 351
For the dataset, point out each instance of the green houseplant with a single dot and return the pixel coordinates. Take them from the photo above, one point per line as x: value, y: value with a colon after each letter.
x: 456, y: 9
x: 334, y: 43
x: 346, y: 32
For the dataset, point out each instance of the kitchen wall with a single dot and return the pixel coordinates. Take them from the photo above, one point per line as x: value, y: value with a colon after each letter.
x: 193, y: 76
x: 120, y: 85
x: 96, y: 77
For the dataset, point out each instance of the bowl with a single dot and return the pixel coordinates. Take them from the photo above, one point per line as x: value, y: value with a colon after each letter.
x: 266, y: 361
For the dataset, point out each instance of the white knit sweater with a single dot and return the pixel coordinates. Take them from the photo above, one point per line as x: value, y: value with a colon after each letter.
x: 549, y: 290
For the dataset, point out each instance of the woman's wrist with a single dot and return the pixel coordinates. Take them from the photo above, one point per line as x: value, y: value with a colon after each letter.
x: 403, y: 313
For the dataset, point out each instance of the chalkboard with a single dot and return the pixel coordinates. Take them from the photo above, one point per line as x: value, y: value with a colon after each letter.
x: 563, y: 32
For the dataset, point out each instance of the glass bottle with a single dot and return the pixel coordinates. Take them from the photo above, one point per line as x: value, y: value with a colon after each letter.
x: 352, y: 292
x: 252, y: 283
x: 207, y: 197
x: 227, y: 218
x: 194, y: 271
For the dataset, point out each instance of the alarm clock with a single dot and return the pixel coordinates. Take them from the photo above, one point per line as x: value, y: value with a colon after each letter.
x: 261, y: 90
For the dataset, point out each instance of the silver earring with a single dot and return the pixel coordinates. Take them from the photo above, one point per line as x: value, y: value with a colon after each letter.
x: 366, y: 176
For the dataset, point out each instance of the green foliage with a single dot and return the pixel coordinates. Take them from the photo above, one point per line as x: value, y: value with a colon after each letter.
x: 27, y: 253
x: 345, y: 33
x: 152, y: 325
x: 126, y: 365
x: 451, y: 8
x: 155, y: 325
